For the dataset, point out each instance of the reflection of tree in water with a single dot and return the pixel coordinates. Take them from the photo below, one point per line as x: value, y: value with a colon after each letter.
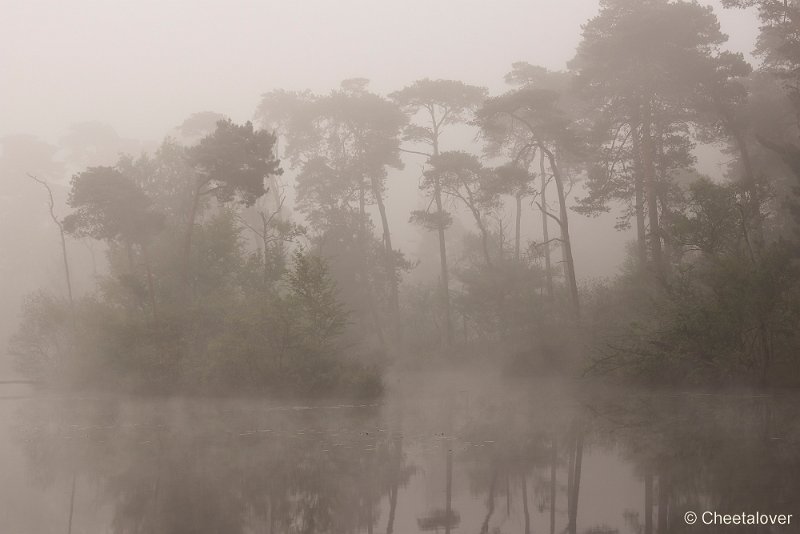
x: 728, y: 453
x: 199, y: 467
x: 197, y: 471
x: 507, y: 448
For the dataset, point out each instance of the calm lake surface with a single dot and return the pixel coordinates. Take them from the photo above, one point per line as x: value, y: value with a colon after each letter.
x: 450, y: 455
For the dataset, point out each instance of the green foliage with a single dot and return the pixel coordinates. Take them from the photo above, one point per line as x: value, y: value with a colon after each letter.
x: 727, y: 315
x: 234, y: 160
x: 109, y: 205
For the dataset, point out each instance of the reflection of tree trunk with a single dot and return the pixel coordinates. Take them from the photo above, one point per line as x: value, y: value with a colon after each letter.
x: 574, y: 487
x: 391, y: 269
x: 525, y: 511
x: 545, y: 233
x: 392, y: 507
x: 638, y: 184
x: 489, y: 505
x: 71, y: 505
x: 508, y: 495
x: 553, y: 463
x: 648, y: 503
x: 663, y: 503
x: 448, y: 493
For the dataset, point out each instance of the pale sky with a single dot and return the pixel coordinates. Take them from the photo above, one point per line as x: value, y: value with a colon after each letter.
x: 143, y: 66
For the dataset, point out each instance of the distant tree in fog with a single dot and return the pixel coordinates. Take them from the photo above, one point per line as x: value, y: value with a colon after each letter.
x: 432, y: 106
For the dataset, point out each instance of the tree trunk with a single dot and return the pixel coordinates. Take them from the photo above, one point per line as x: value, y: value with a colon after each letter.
x: 489, y: 505
x: 648, y: 503
x: 517, y: 227
x: 54, y: 217
x: 391, y: 269
x: 572, y: 282
x: 750, y: 182
x: 638, y: 185
x: 437, y: 193
x: 553, y: 487
x: 545, y: 232
x: 187, y: 240
x: 576, y: 483
x: 362, y: 242
x: 71, y: 505
x: 525, y: 511
x: 663, y: 503
x: 651, y: 190
x: 150, y: 284
x: 448, y: 492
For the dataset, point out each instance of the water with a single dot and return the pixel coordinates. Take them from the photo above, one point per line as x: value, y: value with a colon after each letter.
x: 454, y: 458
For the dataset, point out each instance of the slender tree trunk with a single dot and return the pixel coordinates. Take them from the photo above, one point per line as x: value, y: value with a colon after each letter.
x: 71, y: 505
x: 392, y: 507
x: 64, y: 257
x: 437, y: 194
x: 489, y: 505
x: 484, y: 235
x: 508, y: 495
x: 750, y: 181
x: 517, y: 227
x: 572, y: 282
x: 638, y: 185
x: 525, y: 511
x: 545, y: 232
x: 663, y: 502
x: 576, y: 483
x: 448, y: 510
x: 187, y: 240
x: 651, y: 190
x: 553, y: 487
x: 362, y: 239
x: 391, y: 269
x: 648, y: 503
x: 150, y: 283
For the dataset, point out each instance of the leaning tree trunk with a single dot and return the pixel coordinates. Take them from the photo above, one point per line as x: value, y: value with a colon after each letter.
x: 362, y: 262
x: 572, y: 282
x: 391, y: 268
x: 545, y: 231
x: 57, y: 221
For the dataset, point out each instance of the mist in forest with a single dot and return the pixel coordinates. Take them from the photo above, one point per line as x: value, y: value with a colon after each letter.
x: 359, y: 267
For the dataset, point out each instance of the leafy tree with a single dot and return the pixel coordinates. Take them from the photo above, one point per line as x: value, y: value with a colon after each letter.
x: 342, y: 144
x: 461, y: 177
x: 549, y: 130
x: 231, y: 164
x: 432, y: 106
x: 640, y: 62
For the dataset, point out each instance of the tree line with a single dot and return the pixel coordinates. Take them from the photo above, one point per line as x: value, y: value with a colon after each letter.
x: 213, y: 282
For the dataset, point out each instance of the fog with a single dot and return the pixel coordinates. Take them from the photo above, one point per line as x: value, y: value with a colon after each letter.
x: 369, y: 267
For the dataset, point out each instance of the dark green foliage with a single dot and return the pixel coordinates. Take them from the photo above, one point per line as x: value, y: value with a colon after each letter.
x: 109, y: 205
x: 234, y: 160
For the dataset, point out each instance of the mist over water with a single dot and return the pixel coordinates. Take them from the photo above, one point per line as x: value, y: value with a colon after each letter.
x: 246, y: 465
